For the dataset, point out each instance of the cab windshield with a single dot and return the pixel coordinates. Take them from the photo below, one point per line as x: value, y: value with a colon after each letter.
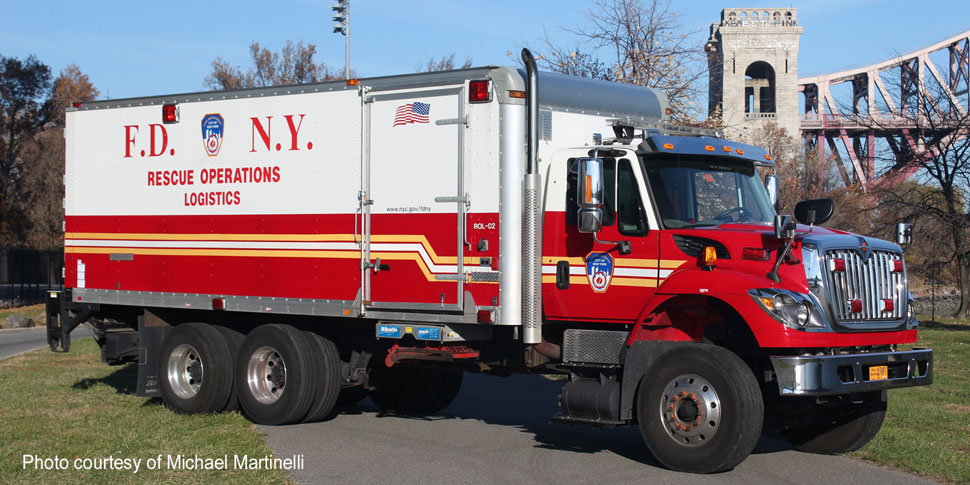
x: 698, y: 192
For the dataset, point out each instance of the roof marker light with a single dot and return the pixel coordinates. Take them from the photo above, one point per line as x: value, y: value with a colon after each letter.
x: 727, y: 149
x: 768, y: 157
x: 668, y: 146
x: 709, y: 148
x: 170, y: 113
x: 739, y: 151
x: 353, y: 82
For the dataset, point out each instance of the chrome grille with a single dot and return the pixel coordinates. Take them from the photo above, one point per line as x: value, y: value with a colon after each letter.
x: 871, y: 281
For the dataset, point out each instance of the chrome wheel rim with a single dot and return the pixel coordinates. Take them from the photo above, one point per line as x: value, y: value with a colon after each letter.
x: 266, y: 375
x: 185, y: 371
x: 690, y: 410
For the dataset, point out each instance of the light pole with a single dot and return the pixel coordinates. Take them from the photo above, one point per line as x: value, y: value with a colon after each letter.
x: 341, y: 19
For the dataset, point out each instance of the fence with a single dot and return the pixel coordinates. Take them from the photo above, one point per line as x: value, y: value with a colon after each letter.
x: 27, y: 274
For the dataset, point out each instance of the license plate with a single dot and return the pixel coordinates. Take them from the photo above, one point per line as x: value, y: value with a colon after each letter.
x: 878, y: 373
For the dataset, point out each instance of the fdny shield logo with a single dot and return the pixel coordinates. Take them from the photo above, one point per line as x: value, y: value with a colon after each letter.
x: 212, y: 129
x: 599, y: 271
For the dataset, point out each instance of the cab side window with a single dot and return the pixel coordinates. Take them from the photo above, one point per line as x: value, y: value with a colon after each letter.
x: 622, y: 205
x: 629, y: 207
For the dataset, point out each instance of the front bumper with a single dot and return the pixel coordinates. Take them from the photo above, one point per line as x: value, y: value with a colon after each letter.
x: 844, y: 374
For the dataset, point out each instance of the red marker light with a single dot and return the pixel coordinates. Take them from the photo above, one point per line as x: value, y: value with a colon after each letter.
x: 897, y: 266
x: 479, y: 91
x: 218, y: 303
x: 170, y: 113
x: 837, y: 265
x: 887, y: 305
x: 855, y: 306
x: 757, y: 254
x: 76, y: 104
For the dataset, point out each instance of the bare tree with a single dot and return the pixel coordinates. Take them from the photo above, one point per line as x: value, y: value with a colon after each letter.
x: 42, y: 189
x: 446, y: 63
x: 641, y: 42
x: 294, y: 64
x: 937, y: 201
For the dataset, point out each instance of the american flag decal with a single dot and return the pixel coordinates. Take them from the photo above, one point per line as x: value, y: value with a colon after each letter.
x: 412, y: 113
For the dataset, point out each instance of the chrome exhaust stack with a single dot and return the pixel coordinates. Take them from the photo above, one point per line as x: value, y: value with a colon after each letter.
x: 531, y: 220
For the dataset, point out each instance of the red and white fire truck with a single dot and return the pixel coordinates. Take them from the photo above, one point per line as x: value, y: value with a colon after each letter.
x: 282, y: 249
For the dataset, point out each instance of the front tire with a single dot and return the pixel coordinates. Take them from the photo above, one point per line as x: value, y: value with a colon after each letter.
x: 195, y: 369
x: 842, y: 429
x: 276, y: 375
x: 700, y: 409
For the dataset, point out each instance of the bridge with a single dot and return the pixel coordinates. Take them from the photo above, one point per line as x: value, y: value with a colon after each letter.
x: 886, y: 111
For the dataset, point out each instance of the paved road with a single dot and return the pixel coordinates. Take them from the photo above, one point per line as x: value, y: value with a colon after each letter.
x: 497, y: 431
x: 16, y: 340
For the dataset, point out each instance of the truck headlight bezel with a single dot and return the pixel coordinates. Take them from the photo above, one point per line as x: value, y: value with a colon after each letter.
x: 794, y: 310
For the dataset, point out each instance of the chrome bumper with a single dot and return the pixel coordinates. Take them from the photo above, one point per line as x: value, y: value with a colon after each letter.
x: 844, y: 374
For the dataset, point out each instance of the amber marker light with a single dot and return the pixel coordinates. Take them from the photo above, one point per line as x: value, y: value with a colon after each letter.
x: 710, y: 256
x: 668, y: 146
x: 589, y: 189
x: 709, y: 148
x: 353, y: 82
x: 517, y: 94
x: 727, y: 149
x: 768, y: 157
x: 739, y: 151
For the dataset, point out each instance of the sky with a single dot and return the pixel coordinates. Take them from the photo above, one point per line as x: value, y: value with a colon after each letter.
x: 131, y: 48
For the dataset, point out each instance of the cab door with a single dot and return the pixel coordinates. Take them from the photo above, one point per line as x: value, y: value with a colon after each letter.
x: 586, y: 280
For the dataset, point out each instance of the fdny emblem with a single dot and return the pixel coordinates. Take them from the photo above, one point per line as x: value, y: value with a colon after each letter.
x: 212, y: 128
x: 599, y: 271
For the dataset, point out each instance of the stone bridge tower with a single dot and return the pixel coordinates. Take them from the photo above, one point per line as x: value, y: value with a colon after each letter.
x: 752, y: 57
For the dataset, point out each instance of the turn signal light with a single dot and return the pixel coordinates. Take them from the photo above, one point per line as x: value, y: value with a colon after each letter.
x: 836, y: 265
x: 757, y: 254
x: 170, y: 113
x: 710, y: 256
x: 479, y: 91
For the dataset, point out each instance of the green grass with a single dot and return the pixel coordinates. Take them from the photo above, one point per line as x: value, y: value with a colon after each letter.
x: 31, y: 311
x: 927, y: 428
x: 72, y: 406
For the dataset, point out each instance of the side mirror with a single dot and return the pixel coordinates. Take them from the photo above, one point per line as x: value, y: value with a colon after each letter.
x: 815, y: 211
x: 904, y: 234
x: 590, y: 195
x: 771, y: 183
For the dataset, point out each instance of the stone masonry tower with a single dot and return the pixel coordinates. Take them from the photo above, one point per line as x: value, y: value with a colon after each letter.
x: 752, y: 56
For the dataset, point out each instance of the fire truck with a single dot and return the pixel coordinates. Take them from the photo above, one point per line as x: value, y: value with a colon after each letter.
x: 283, y: 250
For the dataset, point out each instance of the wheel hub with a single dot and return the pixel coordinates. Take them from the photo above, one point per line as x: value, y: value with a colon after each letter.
x: 690, y: 410
x: 185, y: 371
x: 266, y: 375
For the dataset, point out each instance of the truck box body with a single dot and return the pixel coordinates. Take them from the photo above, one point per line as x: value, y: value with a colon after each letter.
x: 275, y: 198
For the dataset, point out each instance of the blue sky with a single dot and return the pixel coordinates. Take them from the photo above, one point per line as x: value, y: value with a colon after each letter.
x: 149, y: 48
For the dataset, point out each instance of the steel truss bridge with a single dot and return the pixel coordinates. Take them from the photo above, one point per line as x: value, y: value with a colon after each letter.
x: 878, y: 112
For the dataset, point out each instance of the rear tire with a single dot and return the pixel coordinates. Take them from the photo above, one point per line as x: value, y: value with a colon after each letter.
x: 234, y: 339
x: 328, y: 378
x: 414, y: 391
x: 700, y: 409
x: 276, y: 375
x: 195, y: 369
x: 843, y: 429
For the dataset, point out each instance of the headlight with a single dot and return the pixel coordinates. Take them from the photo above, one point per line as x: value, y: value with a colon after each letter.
x: 792, y: 309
